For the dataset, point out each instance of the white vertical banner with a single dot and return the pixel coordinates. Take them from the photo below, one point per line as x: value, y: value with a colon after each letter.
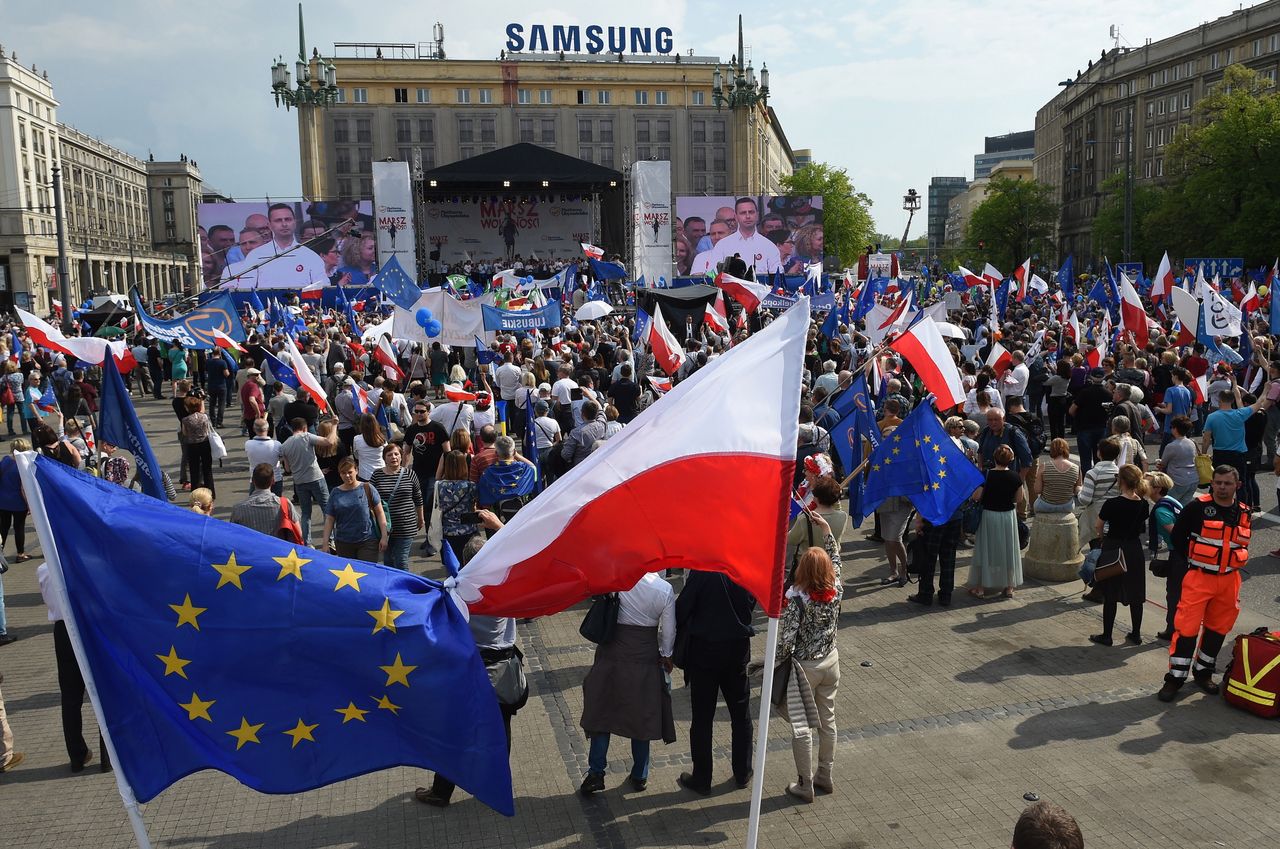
x: 651, y: 222
x: 393, y: 215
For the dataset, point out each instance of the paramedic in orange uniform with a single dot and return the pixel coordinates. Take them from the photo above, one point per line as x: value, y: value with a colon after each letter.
x: 1214, y: 531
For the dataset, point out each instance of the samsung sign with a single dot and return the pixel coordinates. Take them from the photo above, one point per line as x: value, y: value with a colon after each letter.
x: 589, y: 39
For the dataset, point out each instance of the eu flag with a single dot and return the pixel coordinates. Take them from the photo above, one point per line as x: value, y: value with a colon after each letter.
x: 281, y: 666
x: 607, y: 270
x: 504, y: 480
x: 484, y: 354
x: 394, y: 282
x: 920, y: 461
x: 1066, y: 280
x: 281, y: 372
x: 118, y: 425
x: 846, y: 439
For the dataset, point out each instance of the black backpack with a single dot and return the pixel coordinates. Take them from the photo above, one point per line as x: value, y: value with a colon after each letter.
x: 1033, y: 429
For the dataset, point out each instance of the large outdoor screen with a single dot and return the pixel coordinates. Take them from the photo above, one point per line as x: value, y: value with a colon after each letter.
x: 770, y: 233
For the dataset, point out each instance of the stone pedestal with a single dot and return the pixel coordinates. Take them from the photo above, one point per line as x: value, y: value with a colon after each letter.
x: 1053, y: 553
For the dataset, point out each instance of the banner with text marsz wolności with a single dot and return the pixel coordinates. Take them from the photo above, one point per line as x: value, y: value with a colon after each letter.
x: 195, y: 329
x: 496, y: 319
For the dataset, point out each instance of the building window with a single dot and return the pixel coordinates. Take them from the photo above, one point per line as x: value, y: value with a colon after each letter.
x: 404, y: 131
x: 1271, y: 74
x: 642, y: 98
x: 404, y: 154
x: 344, y: 188
x: 717, y: 131
x: 584, y: 153
x: 699, y: 98
x: 526, y: 129
x: 544, y: 96
x: 660, y: 98
x: 1186, y: 100
x: 642, y: 153
x: 1146, y: 168
x: 584, y: 97
x: 366, y: 187
x: 466, y: 131
x: 642, y: 132
x: 487, y: 130
x: 428, y: 158
x: 402, y: 95
x: 548, y: 130
x: 1148, y: 140
x: 717, y: 159
x: 606, y: 157
x: 486, y: 95
x: 364, y: 131
x: 1274, y: 44
x: 719, y: 183
x: 1151, y: 109
x: 426, y: 130
x: 1173, y: 103
x: 524, y: 96
x: 424, y: 95
x: 662, y: 130
x: 340, y: 133
x: 604, y: 97
x: 700, y: 182
x: 699, y: 159
x: 584, y: 131
x: 1214, y: 59
x: 364, y: 158
x: 606, y: 130
x: 1164, y: 76
x: 699, y: 132
x: 464, y: 95
x: 343, y: 161
x: 663, y: 153
x: 466, y: 152
x: 359, y: 95
x: 1159, y: 167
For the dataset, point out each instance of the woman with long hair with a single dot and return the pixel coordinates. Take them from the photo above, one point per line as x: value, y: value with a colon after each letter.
x: 330, y: 452
x: 461, y: 440
x: 13, y: 380
x: 367, y: 446
x: 195, y: 429
x: 997, y: 552
x: 359, y: 259
x: 354, y: 516
x: 13, y: 502
x: 401, y: 495
x: 201, y: 501
x: 1121, y: 523
x: 455, y: 495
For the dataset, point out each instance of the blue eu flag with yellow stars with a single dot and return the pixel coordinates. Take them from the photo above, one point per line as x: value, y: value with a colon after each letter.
x: 847, y: 437
x: 212, y: 646
x: 394, y: 282
x: 918, y: 460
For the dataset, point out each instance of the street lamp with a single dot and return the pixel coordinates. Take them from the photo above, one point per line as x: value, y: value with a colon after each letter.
x: 320, y: 91
x: 742, y: 90
x: 1127, y: 249
x: 910, y: 205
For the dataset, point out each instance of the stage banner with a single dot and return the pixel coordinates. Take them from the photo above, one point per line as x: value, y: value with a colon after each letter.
x: 507, y: 320
x: 651, y: 221
x: 501, y: 228
x: 393, y: 215
x: 195, y: 329
x: 461, y: 321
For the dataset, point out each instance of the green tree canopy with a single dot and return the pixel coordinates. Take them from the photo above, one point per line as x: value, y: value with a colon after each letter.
x: 846, y: 213
x: 1014, y: 222
x: 1108, y: 225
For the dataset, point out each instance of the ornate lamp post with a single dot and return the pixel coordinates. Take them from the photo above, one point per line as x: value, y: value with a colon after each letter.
x: 320, y: 91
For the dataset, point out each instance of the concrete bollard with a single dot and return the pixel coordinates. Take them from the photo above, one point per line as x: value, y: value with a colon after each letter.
x: 1053, y: 553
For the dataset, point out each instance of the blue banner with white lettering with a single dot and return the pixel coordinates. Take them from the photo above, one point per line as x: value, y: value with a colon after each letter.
x: 496, y: 319
x: 195, y: 329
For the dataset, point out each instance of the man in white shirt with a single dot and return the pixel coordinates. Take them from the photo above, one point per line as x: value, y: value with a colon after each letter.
x: 756, y: 250
x: 507, y: 377
x: 260, y: 449
x: 705, y: 260
x: 291, y: 263
x: 454, y: 415
x: 562, y: 392
x: 1015, y: 382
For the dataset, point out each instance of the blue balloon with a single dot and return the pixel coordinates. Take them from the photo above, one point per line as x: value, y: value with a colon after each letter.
x: 423, y: 317
x: 433, y: 327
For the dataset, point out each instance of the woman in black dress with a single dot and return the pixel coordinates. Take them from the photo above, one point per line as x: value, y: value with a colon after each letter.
x: 1121, y: 523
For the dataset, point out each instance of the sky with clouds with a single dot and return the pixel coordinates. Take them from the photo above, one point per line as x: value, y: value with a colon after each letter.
x: 894, y: 91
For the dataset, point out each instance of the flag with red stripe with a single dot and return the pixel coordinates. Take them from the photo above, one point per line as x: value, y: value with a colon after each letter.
x: 923, y: 346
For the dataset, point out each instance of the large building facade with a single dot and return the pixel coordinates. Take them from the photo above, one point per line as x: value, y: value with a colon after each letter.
x: 941, y: 191
x: 408, y: 103
x: 1125, y: 108
x: 997, y: 149
x: 116, y: 234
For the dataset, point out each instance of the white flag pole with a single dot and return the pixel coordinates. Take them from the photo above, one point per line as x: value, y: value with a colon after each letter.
x: 40, y: 519
x: 762, y: 733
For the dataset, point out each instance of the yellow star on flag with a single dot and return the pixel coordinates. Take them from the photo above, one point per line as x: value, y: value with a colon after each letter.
x: 198, y: 709
x: 348, y: 577
x: 173, y: 665
x: 187, y: 612
x: 301, y: 732
x: 386, y: 704
x: 897, y: 451
x: 942, y: 461
x: 230, y: 572
x: 875, y: 468
x: 942, y: 473
x: 246, y: 733
x: 351, y: 712
x: 928, y: 439
x: 897, y: 438
x: 398, y: 672
x: 937, y: 447
x: 386, y: 617
x: 937, y: 486
x: 917, y: 443
x: 291, y: 565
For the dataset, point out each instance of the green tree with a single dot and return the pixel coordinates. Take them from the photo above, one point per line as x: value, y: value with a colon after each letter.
x: 1014, y: 222
x: 847, y: 227
x: 1223, y: 194
x: 1108, y: 225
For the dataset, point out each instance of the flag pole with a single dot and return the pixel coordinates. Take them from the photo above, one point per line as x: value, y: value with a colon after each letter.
x: 762, y: 733
x: 40, y: 519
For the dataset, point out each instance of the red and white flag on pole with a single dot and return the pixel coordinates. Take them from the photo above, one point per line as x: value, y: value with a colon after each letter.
x: 225, y: 342
x: 661, y: 385
x: 91, y: 349
x: 923, y: 346
x: 1023, y: 275
x: 745, y: 292
x: 1250, y: 302
x: 714, y: 320
x: 308, y: 380
x: 999, y: 359
x: 667, y: 352
x: 592, y: 251
x: 1133, y: 318
x: 1162, y: 284
x: 992, y: 275
x: 901, y: 313
x: 731, y: 425
x: 972, y: 279
x: 1073, y: 327
x: 385, y: 354
x: 1200, y: 389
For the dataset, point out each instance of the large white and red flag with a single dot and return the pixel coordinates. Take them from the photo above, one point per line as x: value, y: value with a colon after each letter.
x: 746, y: 292
x: 225, y: 342
x: 970, y: 278
x: 308, y: 380
x: 592, y: 251
x: 91, y: 349
x: 1250, y: 301
x: 732, y: 425
x: 385, y: 354
x: 1073, y: 327
x: 1000, y: 360
x: 992, y: 275
x: 1162, y: 284
x: 923, y: 346
x: 901, y: 313
x: 667, y: 352
x: 1133, y: 318
x: 1023, y: 275
x: 714, y: 320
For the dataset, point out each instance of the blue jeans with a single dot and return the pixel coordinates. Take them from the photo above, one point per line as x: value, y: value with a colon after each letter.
x: 598, y: 757
x: 1087, y: 443
x: 397, y: 553
x: 1043, y: 506
x: 306, y: 494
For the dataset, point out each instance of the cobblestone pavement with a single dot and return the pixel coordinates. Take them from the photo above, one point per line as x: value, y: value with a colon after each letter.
x: 946, y: 717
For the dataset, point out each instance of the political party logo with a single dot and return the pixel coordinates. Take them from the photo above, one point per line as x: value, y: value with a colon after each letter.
x: 432, y: 212
x: 860, y: 401
x: 196, y: 328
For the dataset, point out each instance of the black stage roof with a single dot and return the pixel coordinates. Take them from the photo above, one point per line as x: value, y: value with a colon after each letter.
x: 524, y: 166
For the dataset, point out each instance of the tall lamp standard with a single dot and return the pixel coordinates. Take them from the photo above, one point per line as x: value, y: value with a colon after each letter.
x: 321, y: 91
x: 1127, y: 249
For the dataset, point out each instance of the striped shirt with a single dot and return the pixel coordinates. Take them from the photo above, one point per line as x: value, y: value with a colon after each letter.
x: 404, y: 505
x: 1059, y: 486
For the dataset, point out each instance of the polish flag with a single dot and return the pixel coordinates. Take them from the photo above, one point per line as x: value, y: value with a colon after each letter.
x: 661, y: 385
x: 225, y: 342
x: 592, y: 251
x: 454, y: 392
x: 972, y: 279
x: 1162, y: 284
x: 91, y: 349
x: 1133, y: 318
x: 992, y: 275
x: 1023, y: 275
x: 901, y: 313
x: 715, y: 320
x: 745, y: 292
x: 666, y: 350
x: 1073, y: 327
x: 308, y: 380
x: 1185, y: 335
x: 1250, y: 301
x: 731, y: 426
x: 1000, y: 360
x: 314, y: 291
x: 1273, y: 274
x: 923, y: 346
x: 1094, y: 357
x: 1200, y: 389
x: 385, y: 354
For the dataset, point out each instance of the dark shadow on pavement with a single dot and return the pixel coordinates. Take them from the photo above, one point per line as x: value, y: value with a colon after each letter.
x: 1093, y: 721
x: 1058, y: 661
